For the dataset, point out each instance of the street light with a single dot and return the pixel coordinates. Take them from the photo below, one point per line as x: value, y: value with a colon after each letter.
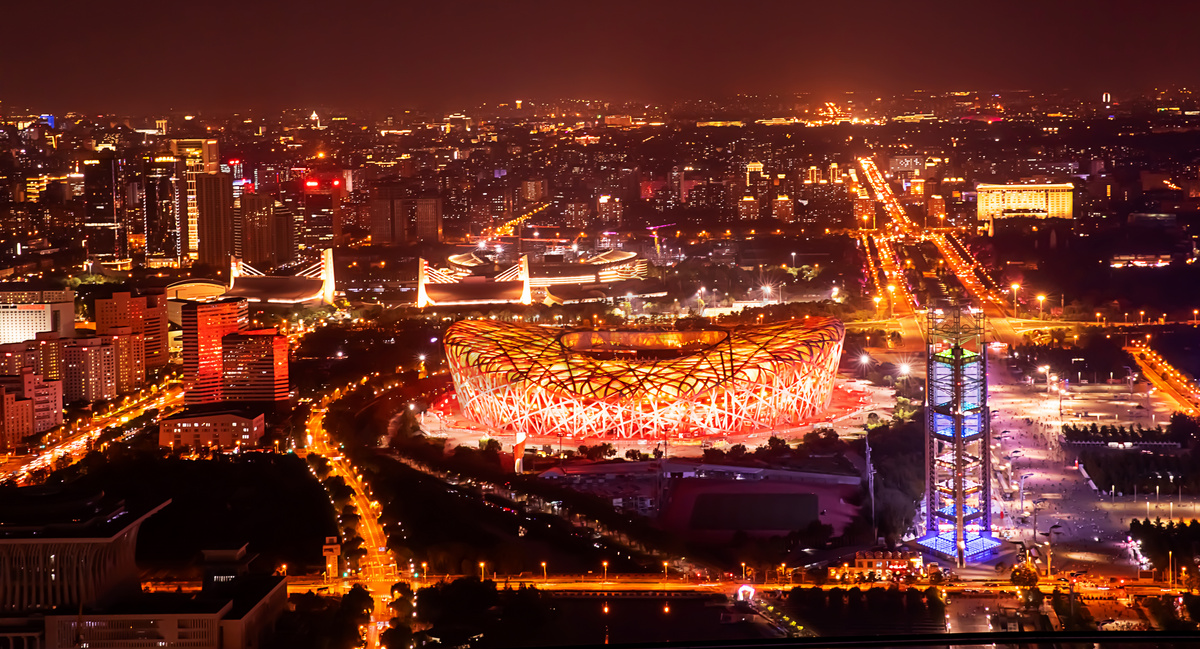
x: 605, y: 564
x: 1041, y: 302
x: 544, y: 577
x: 743, y: 571
x: 480, y: 571
x: 664, y: 570
x: 1015, y: 287
x: 1141, y: 317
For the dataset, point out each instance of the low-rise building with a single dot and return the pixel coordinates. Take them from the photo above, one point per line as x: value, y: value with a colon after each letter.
x: 223, y: 430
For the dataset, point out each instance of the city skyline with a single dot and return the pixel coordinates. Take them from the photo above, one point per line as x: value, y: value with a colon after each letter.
x: 270, y: 55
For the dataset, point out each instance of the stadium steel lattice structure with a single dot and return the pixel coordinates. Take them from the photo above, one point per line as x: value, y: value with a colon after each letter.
x: 626, y: 384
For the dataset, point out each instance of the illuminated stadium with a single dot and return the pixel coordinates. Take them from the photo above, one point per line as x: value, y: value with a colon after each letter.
x: 627, y: 384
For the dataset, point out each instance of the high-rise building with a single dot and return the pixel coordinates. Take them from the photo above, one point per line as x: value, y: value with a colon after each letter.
x: 103, y: 199
x: 782, y: 209
x: 814, y: 175
x: 534, y: 190
x: 16, y: 419
x: 864, y: 212
x: 428, y: 216
x: 164, y: 207
x: 256, y: 366
x: 400, y: 214
x: 199, y: 156
x: 321, y: 210
x: 748, y: 208
x: 89, y: 370
x: 46, y: 396
x: 254, y: 229
x: 25, y: 312
x: 205, y: 324
x: 214, y: 201
x: 935, y: 207
x: 130, y: 356
x: 145, y: 315
x: 611, y: 210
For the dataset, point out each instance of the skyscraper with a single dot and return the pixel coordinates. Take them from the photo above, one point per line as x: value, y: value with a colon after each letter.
x: 321, y: 210
x: 103, y: 200
x: 400, y: 214
x: 205, y: 324
x: 253, y: 228
x: 89, y: 370
x: 214, y: 201
x: 164, y: 207
x: 199, y: 156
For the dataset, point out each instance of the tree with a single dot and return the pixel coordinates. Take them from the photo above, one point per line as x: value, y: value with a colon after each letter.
x: 397, y: 636
x: 1024, y: 576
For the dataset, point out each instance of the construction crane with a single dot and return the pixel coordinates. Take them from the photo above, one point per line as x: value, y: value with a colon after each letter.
x: 654, y: 231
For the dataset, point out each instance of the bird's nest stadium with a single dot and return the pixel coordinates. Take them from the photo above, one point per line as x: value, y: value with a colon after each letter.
x: 642, y: 384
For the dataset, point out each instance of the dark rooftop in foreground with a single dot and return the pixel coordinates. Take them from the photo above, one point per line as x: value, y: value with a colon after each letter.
x: 57, y: 512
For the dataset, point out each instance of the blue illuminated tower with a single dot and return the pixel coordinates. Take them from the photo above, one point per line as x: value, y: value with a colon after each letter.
x: 958, y: 516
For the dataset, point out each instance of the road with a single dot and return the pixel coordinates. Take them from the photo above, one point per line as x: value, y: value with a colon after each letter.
x: 377, y: 569
x: 75, y: 445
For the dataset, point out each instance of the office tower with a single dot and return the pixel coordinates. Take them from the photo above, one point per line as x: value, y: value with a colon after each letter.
x: 214, y: 201
x: 428, y: 217
x: 16, y: 420
x: 256, y: 366
x: 401, y: 215
x: 958, y: 503
x: 205, y: 324
x: 321, y: 210
x: 835, y: 175
x: 199, y: 156
x: 389, y: 213
x: 130, y: 356
x: 814, y: 175
x: 164, y: 207
x: 89, y: 370
x: 46, y: 396
x: 103, y: 200
x: 24, y: 313
x: 255, y: 230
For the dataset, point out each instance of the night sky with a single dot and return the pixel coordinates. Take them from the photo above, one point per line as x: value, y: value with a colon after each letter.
x: 151, y: 56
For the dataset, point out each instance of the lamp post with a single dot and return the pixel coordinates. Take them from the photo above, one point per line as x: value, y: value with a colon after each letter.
x: 793, y: 260
x: 891, y: 289
x: 605, y: 564
x: 877, y: 300
x: 1015, y: 288
x: 1041, y: 303
x: 664, y: 571
x: 1141, y: 317
x: 1023, y: 476
x: 1097, y: 317
x: 743, y: 571
x: 544, y: 577
x: 480, y: 571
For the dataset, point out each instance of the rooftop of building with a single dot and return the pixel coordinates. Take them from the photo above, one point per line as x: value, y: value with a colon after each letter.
x: 283, y: 289
x: 46, y: 513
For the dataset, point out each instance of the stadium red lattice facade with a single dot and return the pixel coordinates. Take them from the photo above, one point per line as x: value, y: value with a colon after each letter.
x: 627, y: 384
